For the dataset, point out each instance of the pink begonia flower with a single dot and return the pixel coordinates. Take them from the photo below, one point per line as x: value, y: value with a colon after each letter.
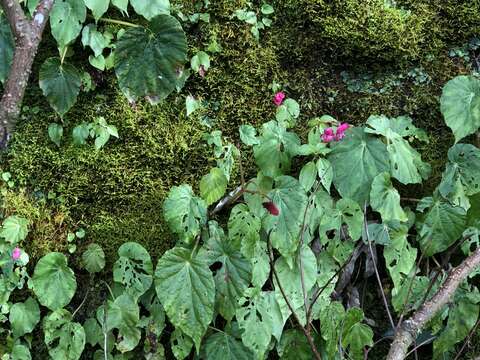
x: 328, y: 135
x: 343, y: 127
x: 278, y: 98
x: 16, y: 253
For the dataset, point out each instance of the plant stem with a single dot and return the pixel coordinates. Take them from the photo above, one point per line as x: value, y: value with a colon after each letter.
x: 118, y: 22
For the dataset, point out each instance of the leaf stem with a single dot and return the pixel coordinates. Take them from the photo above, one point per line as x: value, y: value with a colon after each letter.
x: 118, y: 22
x: 63, y: 55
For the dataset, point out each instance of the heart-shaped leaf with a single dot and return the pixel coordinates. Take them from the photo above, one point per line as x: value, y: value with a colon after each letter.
x: 66, y: 19
x: 24, y: 317
x: 93, y: 258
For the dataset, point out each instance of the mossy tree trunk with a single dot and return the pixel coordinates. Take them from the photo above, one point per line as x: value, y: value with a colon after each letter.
x: 28, y: 34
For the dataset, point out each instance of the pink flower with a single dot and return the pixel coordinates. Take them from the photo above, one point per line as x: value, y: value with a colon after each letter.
x: 339, y: 136
x: 278, y: 98
x: 343, y: 127
x: 328, y: 135
x: 16, y: 253
x: 271, y: 208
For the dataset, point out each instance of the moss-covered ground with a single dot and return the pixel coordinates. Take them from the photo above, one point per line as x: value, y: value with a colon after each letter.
x: 347, y: 58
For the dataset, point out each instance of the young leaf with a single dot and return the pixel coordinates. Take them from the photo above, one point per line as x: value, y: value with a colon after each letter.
x: 308, y: 175
x: 93, y: 258
x: 80, y: 134
x: 55, y: 132
x: 66, y: 19
x: 98, y: 7
x: 248, y: 135
x: 186, y: 288
x: 192, y: 104
x: 287, y: 113
x: 14, y: 229
x: 140, y: 70
x: 385, y: 199
x: 223, y: 346
x: 60, y: 83
x: 133, y: 269
x: 361, y: 154
x: 151, y: 8
x: 64, y: 339
x: 460, y: 105
x: 7, y: 45
x: 94, y: 39
x: 53, y: 281
x: 267, y: 9
x: 200, y: 59
x: 24, y: 317
x: 97, y: 62
x: 213, y: 186
x: 325, y: 173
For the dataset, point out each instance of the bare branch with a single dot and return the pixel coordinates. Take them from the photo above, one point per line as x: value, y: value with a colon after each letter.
x: 407, y: 333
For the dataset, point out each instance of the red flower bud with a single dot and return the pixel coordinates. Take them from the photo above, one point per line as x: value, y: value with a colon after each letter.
x: 271, y: 208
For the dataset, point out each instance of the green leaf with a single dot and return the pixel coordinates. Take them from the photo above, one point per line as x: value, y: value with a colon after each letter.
x: 440, y: 226
x: 80, y: 134
x: 97, y: 62
x: 325, y: 173
x: 405, y: 162
x: 200, y: 59
x: 150, y: 9
x: 287, y: 113
x: 346, y: 212
x: 222, y: 346
x: 248, y: 135
x: 66, y: 19
x: 385, y: 199
x: 94, y: 38
x: 7, y: 45
x: 213, y: 186
x: 14, y: 229
x: 55, y: 132
x: 234, y: 275
x: 186, y: 288
x: 53, y: 281
x: 184, y: 212
x: 294, y: 346
x: 181, y: 344
x: 64, y: 339
x: 308, y: 175
x: 331, y: 319
x: 147, y: 59
x: 123, y: 314
x: 20, y: 352
x: 358, y: 336
x: 192, y: 104
x: 93, y: 258
x: 461, y: 178
x: 460, y: 105
x: 133, y: 269
x: 122, y: 5
x: 98, y: 7
x: 24, y: 317
x: 267, y: 9
x: 361, y: 154
x: 60, y: 83
x: 291, y: 200
x: 244, y: 229
x: 93, y: 332
x: 275, y: 150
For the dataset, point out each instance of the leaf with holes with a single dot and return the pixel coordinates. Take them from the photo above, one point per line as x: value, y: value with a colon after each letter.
x: 223, y: 346
x: 147, y: 59
x: 7, y: 45
x: 185, y: 213
x: 406, y: 164
x: 346, y: 212
x: 460, y: 105
x: 186, y: 288
x: 385, y: 199
x: 133, y: 269
x: 181, y: 344
x: 64, y: 339
x: 94, y: 39
x: 66, y: 19
x: 60, y: 83
x: 234, y: 275
x: 361, y: 154
x: 244, y: 229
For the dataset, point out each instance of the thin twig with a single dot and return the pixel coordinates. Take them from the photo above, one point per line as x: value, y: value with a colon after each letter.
x: 425, y: 342
x: 470, y: 334
x: 81, y: 304
x: 385, y: 302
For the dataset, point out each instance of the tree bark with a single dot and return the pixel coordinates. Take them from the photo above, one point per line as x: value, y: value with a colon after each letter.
x: 410, y: 328
x: 28, y: 34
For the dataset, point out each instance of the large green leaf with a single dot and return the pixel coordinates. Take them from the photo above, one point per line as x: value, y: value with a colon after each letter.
x: 290, y: 199
x: 98, y: 7
x: 440, y: 226
x: 123, y: 314
x: 53, y: 281
x: 346, y: 212
x: 184, y: 212
x: 460, y: 105
x: 133, y: 269
x: 405, y: 162
x: 24, y: 317
x: 385, y: 199
x: 233, y: 277
x: 213, y: 186
x: 65, y: 339
x: 461, y: 178
x: 186, y: 288
x: 7, y: 45
x: 275, y: 150
x: 20, y: 352
x: 151, y: 8
x: 294, y: 346
x: 14, y: 229
x: 66, y: 19
x: 147, y: 59
x: 60, y: 83
x: 361, y: 154
x: 222, y: 346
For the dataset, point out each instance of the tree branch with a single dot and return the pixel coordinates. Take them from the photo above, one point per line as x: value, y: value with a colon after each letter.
x: 407, y: 333
x: 16, y: 18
